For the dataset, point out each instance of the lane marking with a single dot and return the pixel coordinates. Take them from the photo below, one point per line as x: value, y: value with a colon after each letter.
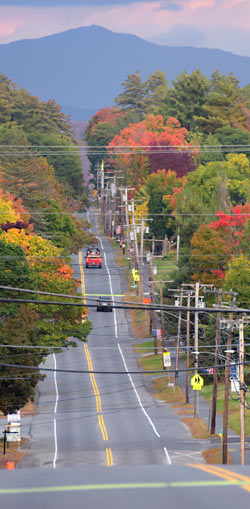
x: 109, y: 457
x: 242, y: 480
x: 123, y: 359
x: 55, y: 411
x: 92, y: 376
x: 120, y: 486
x: 93, y: 380
x: 55, y: 438
x: 167, y: 456
x: 103, y: 427
x: 138, y: 397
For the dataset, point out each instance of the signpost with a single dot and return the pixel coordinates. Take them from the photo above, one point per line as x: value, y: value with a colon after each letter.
x: 13, y: 425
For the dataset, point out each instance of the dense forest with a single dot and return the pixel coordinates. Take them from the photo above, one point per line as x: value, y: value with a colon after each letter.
x: 41, y: 189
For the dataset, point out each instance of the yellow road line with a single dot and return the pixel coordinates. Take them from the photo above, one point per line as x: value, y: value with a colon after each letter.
x: 92, y: 378
x: 103, y: 427
x: 110, y: 462
x: 224, y: 474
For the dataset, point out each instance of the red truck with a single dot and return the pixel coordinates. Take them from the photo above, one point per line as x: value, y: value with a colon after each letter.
x: 93, y: 258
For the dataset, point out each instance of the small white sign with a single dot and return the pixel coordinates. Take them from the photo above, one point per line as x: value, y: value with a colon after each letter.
x: 235, y: 385
x: 14, y: 434
x: 166, y: 359
x: 11, y: 418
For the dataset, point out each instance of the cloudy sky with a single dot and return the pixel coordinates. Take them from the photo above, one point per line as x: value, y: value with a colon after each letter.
x: 223, y: 24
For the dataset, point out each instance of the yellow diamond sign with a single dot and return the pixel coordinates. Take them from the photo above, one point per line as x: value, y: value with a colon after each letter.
x: 197, y: 382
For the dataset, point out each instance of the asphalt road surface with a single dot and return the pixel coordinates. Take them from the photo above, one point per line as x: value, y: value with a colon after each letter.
x: 121, y: 487
x: 103, y: 419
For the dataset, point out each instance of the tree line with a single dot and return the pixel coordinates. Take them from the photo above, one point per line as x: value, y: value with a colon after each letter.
x: 41, y: 189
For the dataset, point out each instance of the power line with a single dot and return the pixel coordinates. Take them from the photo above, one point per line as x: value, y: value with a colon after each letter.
x: 101, y: 372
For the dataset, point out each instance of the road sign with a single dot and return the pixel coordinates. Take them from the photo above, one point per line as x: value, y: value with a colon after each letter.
x: 13, y: 434
x: 136, y: 275
x: 235, y: 385
x: 197, y: 382
x: 157, y: 333
x: 166, y: 359
x: 146, y: 300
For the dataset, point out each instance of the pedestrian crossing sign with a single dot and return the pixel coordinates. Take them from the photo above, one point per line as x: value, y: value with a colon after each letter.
x: 197, y: 382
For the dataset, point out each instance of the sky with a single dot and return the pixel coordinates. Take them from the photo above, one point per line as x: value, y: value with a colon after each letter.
x: 223, y: 24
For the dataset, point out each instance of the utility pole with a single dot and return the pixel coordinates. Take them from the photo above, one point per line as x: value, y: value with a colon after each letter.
x: 188, y: 346
x: 153, y: 312
x: 178, y: 341
x: 142, y: 238
x: 242, y: 392
x: 196, y: 344
x: 216, y: 360
x: 226, y: 393
x: 127, y: 219
x: 162, y: 318
x: 137, y: 259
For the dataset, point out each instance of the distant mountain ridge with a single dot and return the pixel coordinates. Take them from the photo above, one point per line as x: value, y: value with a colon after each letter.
x: 82, y: 69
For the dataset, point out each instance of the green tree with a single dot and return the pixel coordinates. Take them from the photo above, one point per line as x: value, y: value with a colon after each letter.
x: 100, y: 136
x: 238, y: 278
x: 222, y: 104
x: 133, y: 96
x: 222, y: 182
x: 186, y: 98
x: 156, y: 89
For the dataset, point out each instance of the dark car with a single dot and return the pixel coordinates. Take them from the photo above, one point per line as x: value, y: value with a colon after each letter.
x: 104, y: 304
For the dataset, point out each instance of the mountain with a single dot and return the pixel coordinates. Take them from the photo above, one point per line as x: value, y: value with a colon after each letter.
x: 83, y: 68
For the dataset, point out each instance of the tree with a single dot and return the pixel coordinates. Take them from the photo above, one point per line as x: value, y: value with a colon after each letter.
x: 133, y: 96
x: 100, y: 136
x: 158, y: 188
x: 156, y: 89
x: 222, y: 182
x: 186, y: 98
x: 222, y: 104
x: 238, y: 278
x: 233, y: 136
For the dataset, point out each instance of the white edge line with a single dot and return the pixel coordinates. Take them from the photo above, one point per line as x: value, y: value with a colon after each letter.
x: 55, y: 411
x: 137, y: 395
x: 167, y: 456
x: 55, y: 437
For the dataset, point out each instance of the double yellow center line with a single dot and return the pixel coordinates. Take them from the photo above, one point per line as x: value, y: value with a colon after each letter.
x: 225, y: 474
x: 101, y: 422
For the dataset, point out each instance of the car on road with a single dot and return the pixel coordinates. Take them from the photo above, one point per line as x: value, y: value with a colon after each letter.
x: 104, y: 304
x: 93, y: 258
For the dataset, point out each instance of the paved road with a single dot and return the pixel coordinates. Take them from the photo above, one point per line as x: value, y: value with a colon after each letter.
x: 136, y: 487
x: 104, y: 419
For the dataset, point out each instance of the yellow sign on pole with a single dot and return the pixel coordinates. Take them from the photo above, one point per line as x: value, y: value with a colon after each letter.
x: 197, y: 382
x: 136, y: 275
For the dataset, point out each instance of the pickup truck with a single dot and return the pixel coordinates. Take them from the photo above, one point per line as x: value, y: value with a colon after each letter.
x: 93, y: 259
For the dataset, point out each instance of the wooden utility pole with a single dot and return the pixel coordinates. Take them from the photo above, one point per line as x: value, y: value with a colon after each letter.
x: 153, y: 312
x: 196, y: 345
x: 242, y: 392
x: 162, y: 318
x: 137, y: 259
x: 142, y: 239
x: 216, y: 360
x: 178, y: 341
x: 188, y: 347
x: 127, y: 219
x: 226, y: 394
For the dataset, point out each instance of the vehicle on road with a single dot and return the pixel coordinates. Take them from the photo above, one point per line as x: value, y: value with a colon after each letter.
x: 104, y: 304
x: 93, y: 258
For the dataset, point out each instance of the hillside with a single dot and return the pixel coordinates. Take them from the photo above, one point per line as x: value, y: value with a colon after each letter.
x: 82, y: 69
